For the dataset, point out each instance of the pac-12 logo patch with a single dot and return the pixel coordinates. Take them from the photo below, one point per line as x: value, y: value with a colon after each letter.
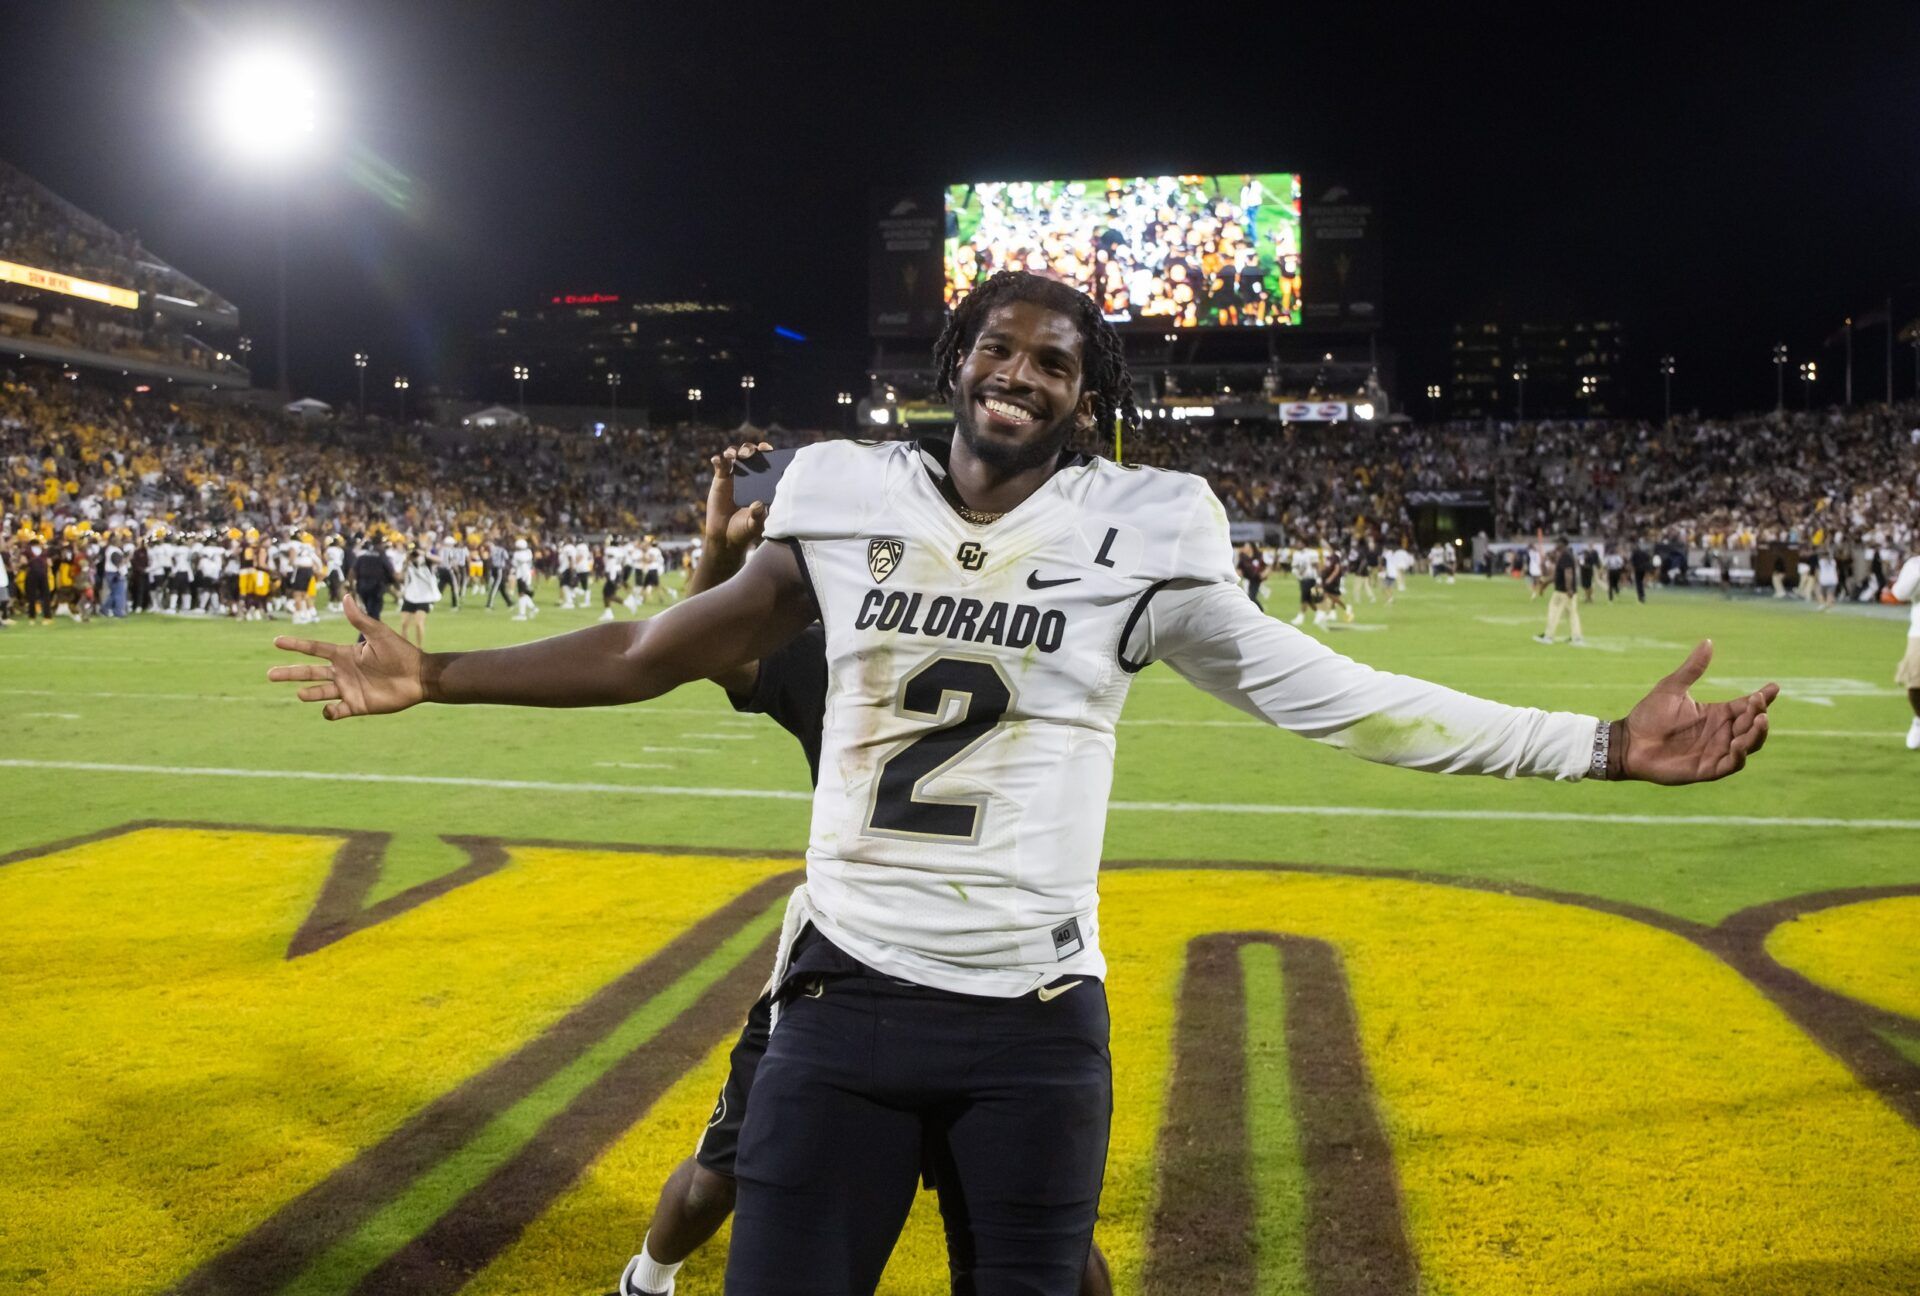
x: 883, y: 556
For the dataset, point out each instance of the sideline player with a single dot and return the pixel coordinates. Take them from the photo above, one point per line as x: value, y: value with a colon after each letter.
x: 1252, y: 567
x: 1906, y: 588
x: 1008, y: 589
x: 525, y: 608
x: 1306, y: 570
x: 1564, y: 577
x: 1330, y: 591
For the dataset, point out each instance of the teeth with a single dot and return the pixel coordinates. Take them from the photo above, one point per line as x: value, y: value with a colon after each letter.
x: 1007, y: 411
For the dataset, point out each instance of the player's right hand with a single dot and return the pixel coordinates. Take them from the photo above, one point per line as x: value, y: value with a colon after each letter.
x: 733, y: 528
x: 378, y: 676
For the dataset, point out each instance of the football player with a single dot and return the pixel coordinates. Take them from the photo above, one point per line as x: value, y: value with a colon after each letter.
x: 791, y: 687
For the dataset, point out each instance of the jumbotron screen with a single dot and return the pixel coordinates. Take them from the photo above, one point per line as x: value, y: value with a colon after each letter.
x: 1186, y: 251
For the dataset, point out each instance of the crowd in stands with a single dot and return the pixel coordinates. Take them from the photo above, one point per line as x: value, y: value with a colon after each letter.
x: 81, y: 461
x: 1809, y: 479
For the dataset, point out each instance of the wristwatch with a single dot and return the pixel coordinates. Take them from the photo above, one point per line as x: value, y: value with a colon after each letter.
x: 1602, y: 750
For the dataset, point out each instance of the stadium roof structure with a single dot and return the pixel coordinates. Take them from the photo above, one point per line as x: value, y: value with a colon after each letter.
x: 55, y: 252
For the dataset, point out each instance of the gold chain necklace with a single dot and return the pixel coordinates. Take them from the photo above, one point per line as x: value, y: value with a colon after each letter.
x: 976, y: 517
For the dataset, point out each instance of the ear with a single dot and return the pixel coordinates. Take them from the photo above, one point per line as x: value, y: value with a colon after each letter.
x: 1083, y: 412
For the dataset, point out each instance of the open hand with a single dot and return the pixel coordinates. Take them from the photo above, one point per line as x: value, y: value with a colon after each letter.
x: 376, y: 677
x: 1670, y: 738
x: 727, y: 526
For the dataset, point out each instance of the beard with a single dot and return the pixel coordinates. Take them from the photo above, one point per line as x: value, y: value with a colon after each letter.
x: 1010, y: 459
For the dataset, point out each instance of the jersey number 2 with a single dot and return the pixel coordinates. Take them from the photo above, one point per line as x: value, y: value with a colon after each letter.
x: 901, y: 806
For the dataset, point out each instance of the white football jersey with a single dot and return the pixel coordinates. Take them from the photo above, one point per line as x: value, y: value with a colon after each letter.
x: 975, y: 679
x: 975, y: 676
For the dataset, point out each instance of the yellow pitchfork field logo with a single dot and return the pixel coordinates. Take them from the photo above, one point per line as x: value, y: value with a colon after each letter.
x: 883, y: 556
x: 311, y: 1079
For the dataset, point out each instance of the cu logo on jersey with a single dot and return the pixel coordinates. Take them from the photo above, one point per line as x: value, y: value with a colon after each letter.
x: 882, y: 557
x: 970, y: 555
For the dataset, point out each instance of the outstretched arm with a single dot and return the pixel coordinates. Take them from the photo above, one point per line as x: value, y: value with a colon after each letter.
x: 606, y: 665
x: 1224, y: 645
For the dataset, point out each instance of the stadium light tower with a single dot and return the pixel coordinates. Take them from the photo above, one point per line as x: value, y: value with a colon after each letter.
x: 400, y: 386
x: 845, y: 401
x: 1520, y: 392
x: 265, y: 108
x: 520, y: 376
x: 1779, y: 377
x: 746, y: 398
x: 694, y: 395
x: 613, y: 399
x: 1809, y: 375
x: 360, y: 364
x: 1666, y: 383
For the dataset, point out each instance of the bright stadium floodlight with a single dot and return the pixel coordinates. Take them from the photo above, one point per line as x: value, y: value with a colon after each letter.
x: 266, y: 103
x: 1363, y: 410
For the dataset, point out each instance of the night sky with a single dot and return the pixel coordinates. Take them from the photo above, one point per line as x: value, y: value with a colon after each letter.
x: 1718, y: 178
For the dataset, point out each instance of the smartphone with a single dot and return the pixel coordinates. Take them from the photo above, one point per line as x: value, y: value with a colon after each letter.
x: 755, y: 476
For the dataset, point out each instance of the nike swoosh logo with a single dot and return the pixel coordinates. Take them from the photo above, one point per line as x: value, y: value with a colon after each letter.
x: 1034, y: 581
x: 1045, y: 993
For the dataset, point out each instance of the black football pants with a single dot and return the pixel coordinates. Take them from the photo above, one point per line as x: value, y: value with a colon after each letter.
x: 1007, y: 1101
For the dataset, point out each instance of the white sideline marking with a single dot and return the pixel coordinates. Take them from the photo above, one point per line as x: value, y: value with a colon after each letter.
x: 278, y: 694
x: 1839, y: 733
x: 1153, y: 807
x: 634, y: 764
x: 433, y: 780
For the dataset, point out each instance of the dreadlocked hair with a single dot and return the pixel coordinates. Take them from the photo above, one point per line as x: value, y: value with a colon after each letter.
x: 1103, y: 363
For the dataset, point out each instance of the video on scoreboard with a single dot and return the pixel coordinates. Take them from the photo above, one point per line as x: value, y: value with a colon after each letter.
x: 1185, y: 251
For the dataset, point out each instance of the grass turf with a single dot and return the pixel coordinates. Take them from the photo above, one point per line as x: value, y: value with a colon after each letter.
x: 1538, y: 1154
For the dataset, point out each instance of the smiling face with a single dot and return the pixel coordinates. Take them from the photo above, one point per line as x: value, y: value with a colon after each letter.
x: 1018, y: 394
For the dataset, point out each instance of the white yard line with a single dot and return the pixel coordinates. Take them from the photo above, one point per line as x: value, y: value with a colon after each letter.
x: 1151, y: 807
x: 281, y: 694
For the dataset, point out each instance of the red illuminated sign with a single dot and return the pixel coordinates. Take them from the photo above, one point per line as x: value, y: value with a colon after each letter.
x: 583, y: 299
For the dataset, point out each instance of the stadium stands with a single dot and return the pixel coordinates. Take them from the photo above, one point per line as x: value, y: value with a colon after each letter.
x: 130, y: 309
x: 74, y: 454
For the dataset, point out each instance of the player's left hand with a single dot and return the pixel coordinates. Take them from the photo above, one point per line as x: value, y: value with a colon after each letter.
x: 1670, y: 738
x: 726, y: 525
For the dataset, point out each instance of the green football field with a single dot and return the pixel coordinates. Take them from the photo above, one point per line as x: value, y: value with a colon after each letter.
x: 1576, y: 1038
x: 177, y: 700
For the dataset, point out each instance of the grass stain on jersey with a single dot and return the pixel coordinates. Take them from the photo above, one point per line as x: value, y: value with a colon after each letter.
x: 1383, y: 737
